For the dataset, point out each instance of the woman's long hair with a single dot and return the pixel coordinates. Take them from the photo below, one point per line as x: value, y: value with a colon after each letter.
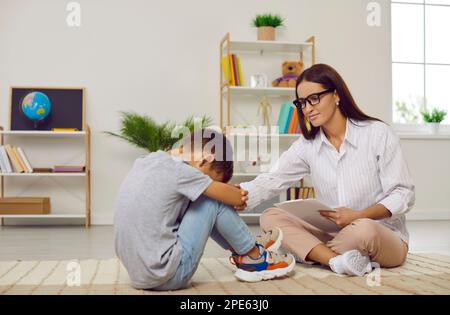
x: 330, y: 79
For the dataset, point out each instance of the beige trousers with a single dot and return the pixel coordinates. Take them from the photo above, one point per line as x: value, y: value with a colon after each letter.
x: 371, y: 238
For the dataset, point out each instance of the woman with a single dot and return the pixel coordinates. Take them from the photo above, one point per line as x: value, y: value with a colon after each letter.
x: 357, y: 167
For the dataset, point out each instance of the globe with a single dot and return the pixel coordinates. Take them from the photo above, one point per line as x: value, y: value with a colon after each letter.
x: 36, y: 106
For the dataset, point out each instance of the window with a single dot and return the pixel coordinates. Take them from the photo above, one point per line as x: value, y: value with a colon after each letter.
x: 420, y: 58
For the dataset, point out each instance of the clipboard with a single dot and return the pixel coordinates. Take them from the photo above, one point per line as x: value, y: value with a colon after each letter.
x: 308, y: 210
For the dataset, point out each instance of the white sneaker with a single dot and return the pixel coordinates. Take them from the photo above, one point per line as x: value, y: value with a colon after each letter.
x: 352, y: 263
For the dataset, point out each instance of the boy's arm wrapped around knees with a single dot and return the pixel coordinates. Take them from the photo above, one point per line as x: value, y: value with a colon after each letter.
x: 225, y: 193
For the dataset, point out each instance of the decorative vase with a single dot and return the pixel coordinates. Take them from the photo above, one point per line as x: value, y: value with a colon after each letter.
x: 434, y: 127
x: 266, y: 33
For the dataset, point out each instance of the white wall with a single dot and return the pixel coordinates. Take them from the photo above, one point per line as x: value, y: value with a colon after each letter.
x: 161, y: 58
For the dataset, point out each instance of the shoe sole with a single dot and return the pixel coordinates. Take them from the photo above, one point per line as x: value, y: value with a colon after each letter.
x: 361, y: 262
x: 256, y: 276
x: 277, y: 244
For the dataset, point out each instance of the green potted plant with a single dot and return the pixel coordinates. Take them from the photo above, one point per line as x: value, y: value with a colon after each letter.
x: 433, y: 118
x: 266, y: 24
x: 143, y: 132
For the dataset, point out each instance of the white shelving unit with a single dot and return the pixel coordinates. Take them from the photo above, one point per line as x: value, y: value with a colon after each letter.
x: 270, y: 46
x: 85, y: 135
x: 43, y: 133
x: 44, y: 174
x: 40, y: 216
x: 228, y: 46
x: 250, y: 134
x: 267, y: 91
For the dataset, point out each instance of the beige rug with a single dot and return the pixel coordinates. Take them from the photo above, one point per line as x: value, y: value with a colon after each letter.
x: 422, y: 274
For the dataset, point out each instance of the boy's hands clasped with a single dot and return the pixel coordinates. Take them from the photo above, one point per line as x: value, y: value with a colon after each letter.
x: 244, y: 198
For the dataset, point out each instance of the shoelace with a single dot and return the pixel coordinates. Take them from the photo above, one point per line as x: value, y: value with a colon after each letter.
x: 264, y: 238
x: 271, y: 257
x: 235, y: 256
x: 274, y: 258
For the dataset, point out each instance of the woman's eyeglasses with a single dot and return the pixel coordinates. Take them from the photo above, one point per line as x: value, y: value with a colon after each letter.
x: 312, y: 99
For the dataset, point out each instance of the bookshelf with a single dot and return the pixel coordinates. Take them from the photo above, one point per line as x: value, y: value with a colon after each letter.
x: 228, y: 46
x: 48, y: 135
x: 231, y: 95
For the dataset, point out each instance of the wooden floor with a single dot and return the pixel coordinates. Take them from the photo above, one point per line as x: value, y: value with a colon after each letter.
x: 421, y: 274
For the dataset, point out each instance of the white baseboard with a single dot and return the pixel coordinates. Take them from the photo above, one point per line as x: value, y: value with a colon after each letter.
x: 249, y: 218
x: 428, y: 215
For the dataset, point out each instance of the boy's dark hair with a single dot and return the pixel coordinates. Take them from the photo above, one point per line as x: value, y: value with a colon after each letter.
x: 217, y: 144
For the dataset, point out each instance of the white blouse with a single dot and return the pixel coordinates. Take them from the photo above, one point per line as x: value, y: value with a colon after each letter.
x: 368, y: 170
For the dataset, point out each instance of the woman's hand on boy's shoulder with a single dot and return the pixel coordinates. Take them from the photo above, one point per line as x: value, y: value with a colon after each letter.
x: 244, y: 194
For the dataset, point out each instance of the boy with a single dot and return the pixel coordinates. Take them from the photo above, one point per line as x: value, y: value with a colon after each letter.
x: 167, y: 208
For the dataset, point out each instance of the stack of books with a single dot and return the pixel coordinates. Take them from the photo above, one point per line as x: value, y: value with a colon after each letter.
x: 295, y: 193
x: 14, y: 160
x: 68, y: 169
x: 288, y: 119
x: 232, y: 71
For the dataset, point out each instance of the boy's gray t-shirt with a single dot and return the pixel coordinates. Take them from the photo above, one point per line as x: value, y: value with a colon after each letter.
x: 148, y: 210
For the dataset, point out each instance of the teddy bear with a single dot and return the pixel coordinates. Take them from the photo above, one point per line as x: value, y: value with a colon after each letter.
x: 291, y: 71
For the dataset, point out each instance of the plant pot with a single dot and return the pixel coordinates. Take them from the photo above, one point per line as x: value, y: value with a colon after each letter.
x: 434, y: 128
x: 266, y: 33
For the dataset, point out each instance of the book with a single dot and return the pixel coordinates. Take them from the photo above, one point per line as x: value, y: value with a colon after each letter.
x: 232, y: 80
x: 293, y: 122
x: 2, y: 166
x: 5, y: 160
x: 308, y: 211
x: 235, y: 74
x: 241, y: 81
x: 64, y: 129
x: 68, y: 169
x: 283, y: 116
x: 15, y: 163
x: 25, y: 160
x: 288, y: 120
x: 21, y: 162
x: 226, y: 69
x: 42, y: 170
x: 294, y: 193
x: 297, y: 124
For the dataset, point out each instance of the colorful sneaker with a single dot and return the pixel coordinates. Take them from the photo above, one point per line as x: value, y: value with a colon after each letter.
x: 352, y: 263
x: 271, y: 240
x: 268, y: 265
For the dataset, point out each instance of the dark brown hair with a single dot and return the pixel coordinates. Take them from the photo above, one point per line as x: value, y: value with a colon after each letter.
x: 221, y: 148
x: 330, y: 79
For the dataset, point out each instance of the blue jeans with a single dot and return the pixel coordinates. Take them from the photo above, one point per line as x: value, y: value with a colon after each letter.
x: 204, y: 218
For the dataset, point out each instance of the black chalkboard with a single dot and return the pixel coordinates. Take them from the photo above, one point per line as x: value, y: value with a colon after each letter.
x: 67, y: 109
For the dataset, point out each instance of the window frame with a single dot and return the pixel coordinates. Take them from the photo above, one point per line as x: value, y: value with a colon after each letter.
x: 419, y: 128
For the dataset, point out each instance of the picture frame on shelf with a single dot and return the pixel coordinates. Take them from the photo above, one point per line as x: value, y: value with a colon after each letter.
x: 258, y: 80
